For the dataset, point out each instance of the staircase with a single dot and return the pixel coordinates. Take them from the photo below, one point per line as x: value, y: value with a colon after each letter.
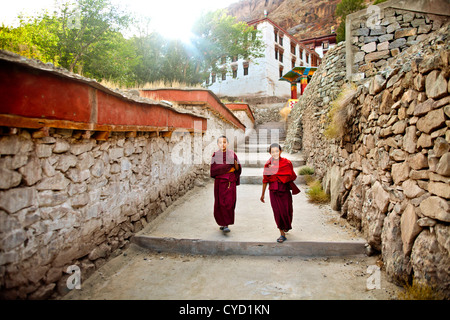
x: 254, y: 153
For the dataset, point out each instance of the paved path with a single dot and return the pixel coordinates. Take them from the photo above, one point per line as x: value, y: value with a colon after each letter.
x: 140, y: 273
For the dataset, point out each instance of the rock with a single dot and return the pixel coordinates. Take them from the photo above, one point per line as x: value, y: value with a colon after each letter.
x: 61, y: 146
x: 443, y: 166
x: 441, y: 146
x: 409, y: 228
x: 411, y: 189
x: 433, y: 120
x: 9, y: 145
x: 15, y: 199
x: 419, y: 82
x: 335, y: 188
x: 57, y: 182
x: 436, y: 208
x: 397, y: 43
x: 397, y: 265
x: 13, y: 239
x: 383, y: 46
x: 370, y: 47
x: 407, y: 32
x: 418, y: 161
x: 380, y: 197
x: 435, y: 85
x: 375, y: 56
x: 80, y: 148
x: 9, y: 178
x: 424, y: 107
x: 439, y: 188
x: 424, y: 141
x: 377, y: 84
x: 400, y: 172
x: 43, y: 150
x: 32, y: 172
x: 430, y: 261
x: 426, y: 222
x: 410, y: 139
x: 65, y: 162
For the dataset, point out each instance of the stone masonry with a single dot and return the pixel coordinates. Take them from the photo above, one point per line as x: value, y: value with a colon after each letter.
x: 389, y: 172
x: 69, y: 200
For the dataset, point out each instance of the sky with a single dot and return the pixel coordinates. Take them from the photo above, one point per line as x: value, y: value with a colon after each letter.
x: 170, y: 18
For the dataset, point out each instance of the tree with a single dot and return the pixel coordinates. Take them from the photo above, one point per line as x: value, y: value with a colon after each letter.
x: 344, y: 8
x: 218, y: 35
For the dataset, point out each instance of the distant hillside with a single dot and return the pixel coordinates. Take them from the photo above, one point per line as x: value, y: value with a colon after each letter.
x: 301, y: 18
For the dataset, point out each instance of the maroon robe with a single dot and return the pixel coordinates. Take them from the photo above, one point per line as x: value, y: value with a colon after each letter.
x: 224, y: 186
x: 280, y: 176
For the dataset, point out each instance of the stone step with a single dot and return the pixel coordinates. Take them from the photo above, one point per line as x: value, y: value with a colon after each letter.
x: 288, y: 248
x: 251, y: 175
x: 256, y: 147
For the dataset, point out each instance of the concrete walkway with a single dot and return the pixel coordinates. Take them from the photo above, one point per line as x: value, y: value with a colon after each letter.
x: 168, y: 273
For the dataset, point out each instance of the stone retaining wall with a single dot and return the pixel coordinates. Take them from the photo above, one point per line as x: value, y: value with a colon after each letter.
x: 389, y: 172
x: 82, y: 168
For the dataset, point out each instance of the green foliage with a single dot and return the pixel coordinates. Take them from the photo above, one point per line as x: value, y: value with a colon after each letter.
x: 378, y: 1
x: 305, y: 170
x: 344, y: 8
x: 86, y: 36
x: 219, y: 35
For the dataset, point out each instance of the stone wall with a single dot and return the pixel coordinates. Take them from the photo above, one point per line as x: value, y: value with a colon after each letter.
x: 376, y: 35
x: 67, y: 200
x: 389, y: 172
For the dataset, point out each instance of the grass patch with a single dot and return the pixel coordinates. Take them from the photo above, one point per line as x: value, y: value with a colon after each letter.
x: 315, y: 193
x: 305, y: 170
x: 419, y: 291
x: 340, y: 113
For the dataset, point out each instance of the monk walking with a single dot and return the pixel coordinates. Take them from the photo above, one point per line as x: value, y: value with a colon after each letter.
x: 226, y: 170
x: 279, y: 174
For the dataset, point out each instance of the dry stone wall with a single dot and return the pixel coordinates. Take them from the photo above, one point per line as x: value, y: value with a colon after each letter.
x: 389, y: 173
x: 67, y: 199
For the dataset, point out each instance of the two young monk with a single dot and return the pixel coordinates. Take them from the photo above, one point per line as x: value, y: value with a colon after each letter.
x: 278, y: 174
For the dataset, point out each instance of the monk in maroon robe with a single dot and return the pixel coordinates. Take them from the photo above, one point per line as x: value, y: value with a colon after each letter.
x: 226, y: 170
x: 279, y: 174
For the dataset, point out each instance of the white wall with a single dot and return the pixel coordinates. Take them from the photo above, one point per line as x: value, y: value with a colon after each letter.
x: 264, y: 73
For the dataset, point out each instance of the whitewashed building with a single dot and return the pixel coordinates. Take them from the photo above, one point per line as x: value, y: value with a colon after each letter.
x: 260, y: 77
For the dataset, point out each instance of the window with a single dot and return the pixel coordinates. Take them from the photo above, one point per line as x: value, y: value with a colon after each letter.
x: 276, y: 35
x: 280, y: 40
x: 245, y: 65
x: 276, y: 53
x: 307, y: 58
x: 281, y: 71
x: 234, y: 68
x: 224, y: 75
x: 325, y: 44
x: 293, y: 62
x: 293, y: 48
x: 281, y: 56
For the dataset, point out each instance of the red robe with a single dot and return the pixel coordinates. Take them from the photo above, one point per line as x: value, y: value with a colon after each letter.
x: 224, y: 186
x: 280, y: 176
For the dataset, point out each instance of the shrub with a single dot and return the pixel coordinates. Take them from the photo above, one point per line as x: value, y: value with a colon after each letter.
x: 418, y: 291
x: 340, y: 113
x: 315, y: 193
